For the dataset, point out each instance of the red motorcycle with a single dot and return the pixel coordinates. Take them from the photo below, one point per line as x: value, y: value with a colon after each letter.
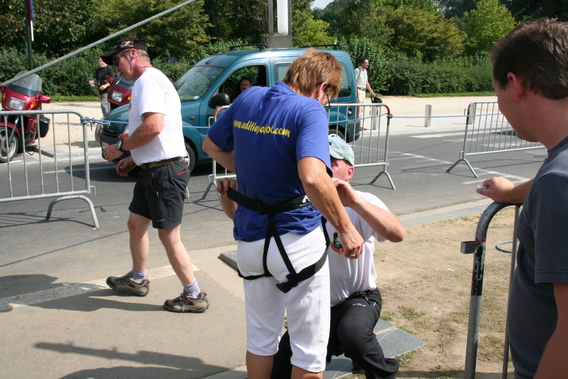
x: 19, y: 131
x: 120, y: 91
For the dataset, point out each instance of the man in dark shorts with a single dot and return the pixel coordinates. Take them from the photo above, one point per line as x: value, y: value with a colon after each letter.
x: 156, y: 145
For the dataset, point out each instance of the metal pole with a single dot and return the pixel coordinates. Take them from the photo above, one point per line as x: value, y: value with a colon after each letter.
x: 477, y: 247
x: 29, y: 35
x: 428, y: 118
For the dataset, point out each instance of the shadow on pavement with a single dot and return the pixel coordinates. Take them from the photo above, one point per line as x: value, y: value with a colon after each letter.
x: 180, y: 366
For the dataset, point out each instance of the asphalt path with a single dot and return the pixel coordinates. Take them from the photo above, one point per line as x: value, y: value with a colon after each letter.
x: 417, y: 165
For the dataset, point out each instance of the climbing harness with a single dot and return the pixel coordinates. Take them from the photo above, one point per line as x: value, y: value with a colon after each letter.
x: 261, y: 208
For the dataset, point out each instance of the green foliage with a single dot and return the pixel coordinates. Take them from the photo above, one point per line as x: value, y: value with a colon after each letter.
x: 59, y: 27
x: 456, y: 8
x: 363, y: 19
x: 526, y: 10
x: 411, y: 47
x: 364, y: 48
x: 418, y: 33
x: 485, y: 25
x: 412, y: 76
x: 238, y: 19
x: 306, y: 31
x: 69, y: 77
x: 175, y: 34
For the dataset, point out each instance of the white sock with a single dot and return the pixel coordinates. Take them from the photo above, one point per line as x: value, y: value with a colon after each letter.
x: 192, y: 289
x: 138, y: 276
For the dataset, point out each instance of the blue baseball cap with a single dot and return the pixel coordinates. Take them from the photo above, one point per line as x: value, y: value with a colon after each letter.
x: 339, y: 149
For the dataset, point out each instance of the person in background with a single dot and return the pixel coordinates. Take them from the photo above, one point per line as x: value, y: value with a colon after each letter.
x: 157, y: 146
x: 530, y: 78
x: 275, y: 140
x: 245, y: 84
x: 102, y: 84
x: 230, y: 89
x: 362, y: 80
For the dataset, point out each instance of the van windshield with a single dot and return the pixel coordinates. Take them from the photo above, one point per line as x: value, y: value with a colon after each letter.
x: 196, y: 81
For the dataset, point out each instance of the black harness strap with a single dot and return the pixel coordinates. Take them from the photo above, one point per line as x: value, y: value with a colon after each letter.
x: 261, y: 208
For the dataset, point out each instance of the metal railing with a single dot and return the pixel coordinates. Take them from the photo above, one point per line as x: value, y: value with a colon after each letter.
x: 487, y: 132
x: 371, y: 148
x: 54, y: 166
x: 368, y: 135
x: 478, y: 248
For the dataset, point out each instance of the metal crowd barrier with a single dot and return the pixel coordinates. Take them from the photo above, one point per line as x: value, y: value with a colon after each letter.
x: 214, y: 176
x: 486, y: 132
x: 54, y: 166
x: 371, y: 147
x: 478, y: 248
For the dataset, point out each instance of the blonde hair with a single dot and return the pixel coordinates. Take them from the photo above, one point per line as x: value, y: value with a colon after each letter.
x: 311, y: 70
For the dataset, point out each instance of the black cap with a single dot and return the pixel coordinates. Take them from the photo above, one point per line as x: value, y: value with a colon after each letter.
x: 123, y: 43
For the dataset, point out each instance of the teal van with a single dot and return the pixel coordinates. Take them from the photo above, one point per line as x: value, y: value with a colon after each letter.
x: 213, y: 82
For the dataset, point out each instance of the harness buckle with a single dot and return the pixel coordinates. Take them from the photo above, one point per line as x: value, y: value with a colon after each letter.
x: 287, y: 286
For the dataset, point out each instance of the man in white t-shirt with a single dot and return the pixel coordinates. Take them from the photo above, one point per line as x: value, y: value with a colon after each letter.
x: 362, y: 80
x: 355, y: 299
x: 156, y: 145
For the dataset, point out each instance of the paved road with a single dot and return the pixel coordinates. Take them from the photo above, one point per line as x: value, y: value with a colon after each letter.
x: 63, y: 322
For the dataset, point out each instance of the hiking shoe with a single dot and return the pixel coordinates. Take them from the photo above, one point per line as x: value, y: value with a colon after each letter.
x: 127, y: 284
x: 186, y: 303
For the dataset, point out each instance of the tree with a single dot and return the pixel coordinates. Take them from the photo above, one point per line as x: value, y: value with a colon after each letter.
x: 485, y: 25
x: 526, y: 10
x: 364, y: 19
x: 173, y: 35
x: 59, y: 26
x: 456, y: 8
x: 306, y: 31
x: 418, y: 33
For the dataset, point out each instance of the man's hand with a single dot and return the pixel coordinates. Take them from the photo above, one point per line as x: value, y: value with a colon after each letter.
x: 228, y: 205
x: 124, y: 166
x: 346, y: 193
x: 223, y: 185
x: 503, y: 190
x: 352, y: 243
x: 111, y: 153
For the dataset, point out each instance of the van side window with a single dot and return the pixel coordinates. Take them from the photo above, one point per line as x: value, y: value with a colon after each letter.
x: 256, y: 74
x: 280, y: 70
x: 345, y: 89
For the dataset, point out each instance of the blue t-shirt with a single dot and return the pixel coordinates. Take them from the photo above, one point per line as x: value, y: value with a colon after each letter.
x: 270, y: 130
x: 542, y: 260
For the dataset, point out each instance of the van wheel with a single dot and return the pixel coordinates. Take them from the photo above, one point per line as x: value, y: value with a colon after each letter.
x: 333, y: 131
x: 190, y: 157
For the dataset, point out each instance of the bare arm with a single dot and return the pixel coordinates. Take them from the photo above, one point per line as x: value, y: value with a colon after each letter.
x: 322, y: 193
x: 370, y: 89
x: 381, y: 221
x: 223, y: 157
x: 554, y: 363
x: 504, y: 191
x: 152, y: 125
x: 228, y: 205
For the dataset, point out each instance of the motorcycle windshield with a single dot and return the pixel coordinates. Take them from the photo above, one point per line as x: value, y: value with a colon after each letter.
x: 28, y: 86
x: 195, y: 82
x: 123, y: 83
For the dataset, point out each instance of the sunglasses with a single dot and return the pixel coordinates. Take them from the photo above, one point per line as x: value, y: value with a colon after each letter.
x: 116, y: 59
